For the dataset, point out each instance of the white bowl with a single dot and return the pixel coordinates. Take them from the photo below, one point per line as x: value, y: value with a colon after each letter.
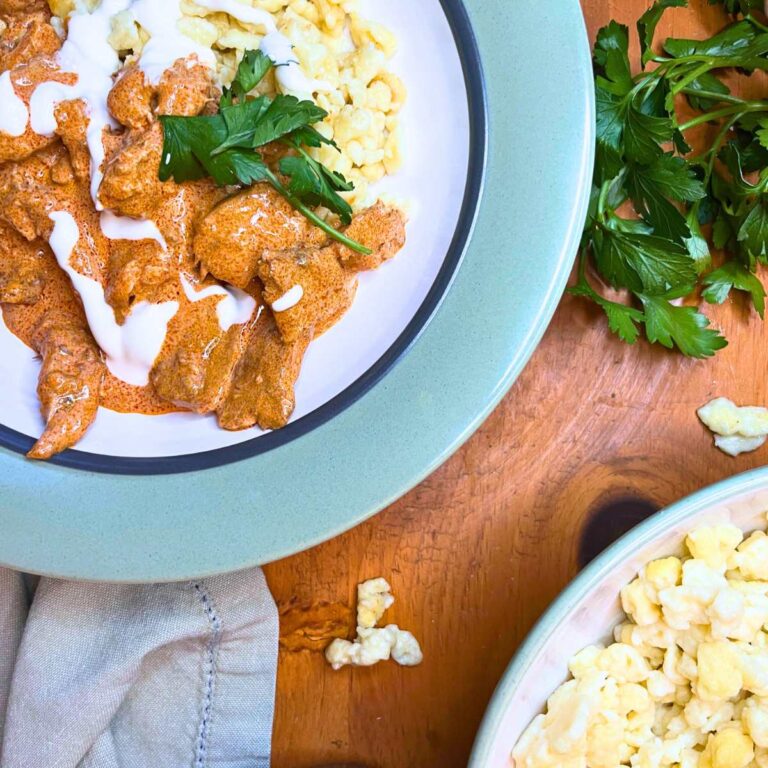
x: 588, y: 609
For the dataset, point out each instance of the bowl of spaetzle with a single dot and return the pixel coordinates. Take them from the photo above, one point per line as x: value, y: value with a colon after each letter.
x: 655, y: 655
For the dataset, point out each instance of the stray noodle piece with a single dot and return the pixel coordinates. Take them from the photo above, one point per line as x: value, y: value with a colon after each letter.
x: 374, y: 644
x: 737, y: 429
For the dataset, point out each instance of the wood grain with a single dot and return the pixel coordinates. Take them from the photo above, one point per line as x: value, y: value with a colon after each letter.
x: 478, y: 551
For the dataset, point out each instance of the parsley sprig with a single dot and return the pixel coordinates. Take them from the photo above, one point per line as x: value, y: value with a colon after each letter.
x: 226, y: 146
x: 658, y: 251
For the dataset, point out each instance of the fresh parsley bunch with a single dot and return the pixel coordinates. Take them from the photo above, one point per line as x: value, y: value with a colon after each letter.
x: 643, y: 161
x: 226, y: 146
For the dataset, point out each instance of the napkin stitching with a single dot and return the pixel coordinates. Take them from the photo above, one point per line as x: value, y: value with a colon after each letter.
x: 210, y: 674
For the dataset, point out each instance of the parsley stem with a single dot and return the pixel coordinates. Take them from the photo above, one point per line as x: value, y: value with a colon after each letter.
x: 715, y: 149
x: 314, y: 218
x: 691, y: 77
x: 754, y: 106
x: 602, y: 198
x: 751, y: 18
x: 583, y: 286
x: 711, y: 155
x: 726, y: 98
x: 583, y: 270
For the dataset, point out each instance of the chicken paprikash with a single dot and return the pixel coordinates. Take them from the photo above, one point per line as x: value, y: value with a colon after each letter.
x: 200, y: 292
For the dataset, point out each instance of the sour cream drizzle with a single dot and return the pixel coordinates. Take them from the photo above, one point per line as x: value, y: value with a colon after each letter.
x: 288, y: 71
x: 117, y: 227
x: 14, y: 114
x: 289, y: 299
x: 167, y: 43
x: 86, y: 53
x: 130, y: 348
x: 236, y: 308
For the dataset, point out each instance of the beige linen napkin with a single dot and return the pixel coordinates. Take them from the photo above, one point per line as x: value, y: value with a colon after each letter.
x: 114, y: 676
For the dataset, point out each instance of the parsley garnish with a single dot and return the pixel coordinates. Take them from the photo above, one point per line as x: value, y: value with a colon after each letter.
x: 658, y: 251
x: 225, y: 146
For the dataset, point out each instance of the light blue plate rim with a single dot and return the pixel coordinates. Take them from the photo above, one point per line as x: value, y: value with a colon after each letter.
x: 83, y: 525
x: 587, y: 580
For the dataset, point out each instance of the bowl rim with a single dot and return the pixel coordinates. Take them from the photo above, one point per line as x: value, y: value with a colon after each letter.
x: 587, y: 580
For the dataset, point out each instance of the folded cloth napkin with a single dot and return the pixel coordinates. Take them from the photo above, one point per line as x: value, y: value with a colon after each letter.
x: 151, y: 676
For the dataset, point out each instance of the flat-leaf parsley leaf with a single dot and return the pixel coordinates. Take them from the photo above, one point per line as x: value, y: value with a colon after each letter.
x: 680, y: 200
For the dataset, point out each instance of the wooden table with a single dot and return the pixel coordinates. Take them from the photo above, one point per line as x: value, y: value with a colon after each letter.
x: 478, y: 551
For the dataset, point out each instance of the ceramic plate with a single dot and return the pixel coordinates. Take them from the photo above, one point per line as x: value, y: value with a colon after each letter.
x: 434, y: 176
x: 499, y: 152
x: 586, y: 612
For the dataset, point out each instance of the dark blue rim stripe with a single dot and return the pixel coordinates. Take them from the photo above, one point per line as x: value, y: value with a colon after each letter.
x: 478, y: 127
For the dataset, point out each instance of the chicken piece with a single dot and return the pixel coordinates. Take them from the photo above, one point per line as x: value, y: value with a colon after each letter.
x: 327, y: 290
x: 231, y: 238
x: 61, y: 172
x: 195, y: 366
x: 380, y: 228
x: 130, y: 100
x: 28, y: 191
x: 21, y: 278
x: 182, y: 90
x: 26, y: 37
x: 28, y: 196
x: 139, y: 271
x: 185, y: 90
x: 72, y: 370
x: 72, y: 120
x: 179, y: 215
x: 131, y: 186
x: 262, y: 389
x: 25, y: 80
x: 24, y: 6
x: 69, y: 386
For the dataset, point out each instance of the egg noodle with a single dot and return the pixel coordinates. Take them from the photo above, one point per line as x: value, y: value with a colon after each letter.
x: 737, y: 429
x: 334, y: 46
x: 686, y: 682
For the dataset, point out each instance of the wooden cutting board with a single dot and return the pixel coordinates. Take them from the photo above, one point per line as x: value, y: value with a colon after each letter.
x: 593, y: 437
